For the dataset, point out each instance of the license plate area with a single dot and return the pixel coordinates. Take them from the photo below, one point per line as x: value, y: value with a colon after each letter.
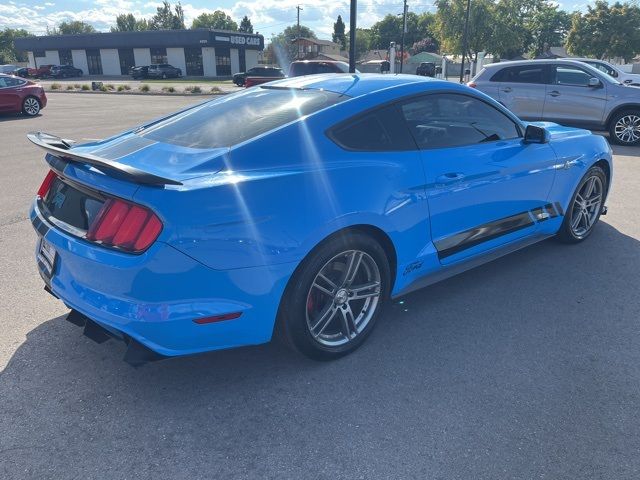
x: 47, y: 257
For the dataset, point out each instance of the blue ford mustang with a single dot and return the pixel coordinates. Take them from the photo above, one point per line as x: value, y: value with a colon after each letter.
x: 300, y: 206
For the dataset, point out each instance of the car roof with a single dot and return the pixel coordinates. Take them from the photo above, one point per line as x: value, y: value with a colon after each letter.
x: 545, y: 61
x: 355, y: 84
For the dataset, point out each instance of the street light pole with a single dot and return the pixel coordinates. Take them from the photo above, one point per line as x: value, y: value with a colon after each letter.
x: 404, y: 30
x: 298, y: 40
x: 464, y: 39
x: 352, y: 37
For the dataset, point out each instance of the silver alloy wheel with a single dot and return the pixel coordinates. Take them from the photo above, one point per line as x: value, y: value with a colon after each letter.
x: 343, y: 298
x: 627, y: 128
x: 586, y: 206
x: 31, y: 106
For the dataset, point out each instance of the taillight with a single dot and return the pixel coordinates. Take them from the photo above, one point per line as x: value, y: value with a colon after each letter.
x: 472, y: 85
x: 125, y: 226
x: 46, y: 184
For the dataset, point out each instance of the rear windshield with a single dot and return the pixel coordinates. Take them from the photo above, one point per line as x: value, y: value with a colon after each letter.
x: 235, y: 118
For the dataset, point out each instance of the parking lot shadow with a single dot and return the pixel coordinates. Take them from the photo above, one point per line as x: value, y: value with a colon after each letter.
x: 7, y: 117
x: 522, y: 368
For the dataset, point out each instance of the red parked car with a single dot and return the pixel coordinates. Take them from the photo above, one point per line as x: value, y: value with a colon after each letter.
x: 21, y: 95
x: 43, y: 71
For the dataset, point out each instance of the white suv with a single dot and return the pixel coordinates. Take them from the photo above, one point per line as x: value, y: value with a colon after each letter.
x: 612, y: 70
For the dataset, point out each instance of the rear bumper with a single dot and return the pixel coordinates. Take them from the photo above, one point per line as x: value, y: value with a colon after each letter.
x: 155, y: 297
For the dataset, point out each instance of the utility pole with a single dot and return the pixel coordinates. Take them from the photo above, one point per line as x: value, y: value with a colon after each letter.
x: 352, y: 37
x: 298, y: 39
x: 404, y: 30
x: 465, y: 40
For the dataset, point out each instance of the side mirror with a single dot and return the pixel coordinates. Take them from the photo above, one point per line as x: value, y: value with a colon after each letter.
x: 615, y: 74
x: 594, y: 82
x: 535, y: 134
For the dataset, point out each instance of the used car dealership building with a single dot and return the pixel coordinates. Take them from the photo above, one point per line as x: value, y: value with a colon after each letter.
x: 198, y: 52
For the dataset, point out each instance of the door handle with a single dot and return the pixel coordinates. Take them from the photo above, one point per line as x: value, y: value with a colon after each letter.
x: 554, y: 93
x: 506, y: 89
x: 450, y: 178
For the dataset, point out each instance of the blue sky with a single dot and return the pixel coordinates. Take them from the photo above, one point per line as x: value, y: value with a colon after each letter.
x: 268, y: 16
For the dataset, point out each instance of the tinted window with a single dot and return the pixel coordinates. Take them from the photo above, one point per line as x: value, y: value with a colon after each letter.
x: 235, y: 118
x: 566, y: 75
x: 450, y: 120
x: 379, y: 130
x: 521, y: 74
x: 10, y: 82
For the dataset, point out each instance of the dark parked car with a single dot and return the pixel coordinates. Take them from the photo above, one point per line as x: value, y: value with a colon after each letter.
x: 426, y: 69
x: 64, y: 71
x: 311, y: 67
x: 163, y: 70
x: 21, y: 72
x: 259, y: 71
x: 20, y: 95
x: 139, y: 72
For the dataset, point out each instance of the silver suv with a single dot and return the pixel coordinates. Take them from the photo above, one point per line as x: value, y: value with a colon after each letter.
x: 566, y: 92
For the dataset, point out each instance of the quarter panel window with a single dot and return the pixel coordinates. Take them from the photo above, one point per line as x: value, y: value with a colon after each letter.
x: 452, y: 120
x: 521, y: 74
x: 380, y: 130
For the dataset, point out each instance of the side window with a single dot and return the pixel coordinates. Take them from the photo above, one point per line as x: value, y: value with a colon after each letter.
x: 522, y: 74
x: 381, y: 130
x: 604, y: 68
x: 452, y: 120
x: 575, y: 76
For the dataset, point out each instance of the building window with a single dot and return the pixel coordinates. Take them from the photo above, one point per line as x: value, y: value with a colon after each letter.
x: 158, y: 55
x: 193, y: 60
x: 65, y: 57
x: 39, y: 53
x: 94, y: 62
x: 223, y: 62
x: 126, y: 60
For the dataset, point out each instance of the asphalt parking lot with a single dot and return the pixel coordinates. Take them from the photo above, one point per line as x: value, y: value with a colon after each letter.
x: 528, y: 367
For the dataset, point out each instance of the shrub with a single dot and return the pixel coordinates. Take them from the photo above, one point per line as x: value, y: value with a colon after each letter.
x: 70, y: 87
x: 127, y: 87
x: 110, y: 87
x: 86, y: 87
x: 216, y: 90
x: 120, y: 88
x: 103, y: 88
x: 56, y: 86
x: 168, y: 89
x: 194, y: 89
x: 77, y: 85
x: 144, y: 88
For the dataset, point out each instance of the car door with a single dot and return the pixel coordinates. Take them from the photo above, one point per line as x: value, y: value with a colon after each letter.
x: 10, y: 100
x: 483, y: 182
x: 570, y: 100
x: 522, y: 89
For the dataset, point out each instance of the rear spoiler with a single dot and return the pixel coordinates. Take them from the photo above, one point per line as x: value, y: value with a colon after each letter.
x: 61, y: 148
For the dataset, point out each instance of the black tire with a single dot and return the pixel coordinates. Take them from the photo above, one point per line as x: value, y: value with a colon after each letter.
x: 624, y: 128
x: 294, y: 324
x: 569, y: 234
x: 31, y: 106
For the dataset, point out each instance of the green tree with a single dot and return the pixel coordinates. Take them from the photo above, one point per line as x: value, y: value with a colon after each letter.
x: 283, y: 49
x: 245, y: 25
x: 389, y: 29
x: 363, y: 41
x: 549, y: 25
x: 71, y: 27
x: 127, y: 22
x: 217, y: 20
x: 338, y: 33
x: 168, y: 19
x: 606, y: 31
x: 449, y: 26
x: 8, y: 51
